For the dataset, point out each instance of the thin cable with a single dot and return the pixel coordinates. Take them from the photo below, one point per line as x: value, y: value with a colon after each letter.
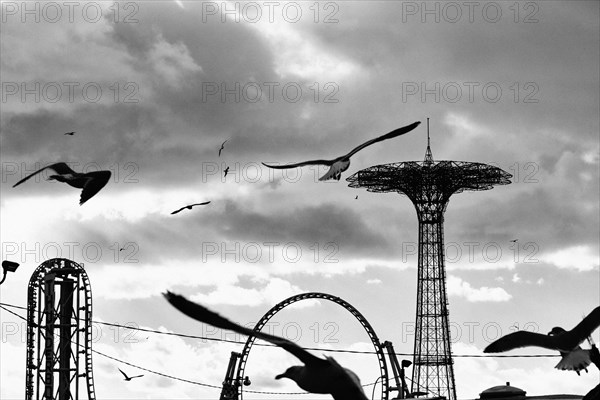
x: 156, y: 372
x: 307, y: 348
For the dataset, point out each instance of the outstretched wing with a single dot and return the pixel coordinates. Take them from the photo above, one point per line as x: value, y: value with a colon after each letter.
x: 521, y: 339
x: 124, y: 374
x: 203, y: 314
x: 582, y: 330
x: 392, y: 134
x: 301, y: 164
x: 96, y: 181
x: 176, y: 211
x: 136, y: 376
x: 222, y: 147
x: 199, y: 204
x: 60, y: 168
x: 565, y: 341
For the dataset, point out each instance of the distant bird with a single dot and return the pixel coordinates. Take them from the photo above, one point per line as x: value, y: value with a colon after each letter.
x: 226, y: 171
x: 190, y: 207
x: 566, y: 342
x: 317, y: 375
x: 70, y: 133
x: 340, y: 164
x: 128, y: 378
x: 356, y: 198
x: 122, y: 248
x: 222, y: 147
x: 90, y: 182
x: 515, y: 240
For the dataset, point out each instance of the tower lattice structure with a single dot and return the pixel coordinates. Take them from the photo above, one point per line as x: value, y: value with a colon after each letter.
x: 429, y: 185
x: 59, y: 332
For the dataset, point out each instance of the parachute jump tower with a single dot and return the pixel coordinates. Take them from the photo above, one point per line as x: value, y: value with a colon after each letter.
x: 59, y: 332
x: 429, y: 185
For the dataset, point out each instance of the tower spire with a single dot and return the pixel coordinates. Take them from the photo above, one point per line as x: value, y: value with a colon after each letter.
x: 430, y: 190
x: 428, y: 155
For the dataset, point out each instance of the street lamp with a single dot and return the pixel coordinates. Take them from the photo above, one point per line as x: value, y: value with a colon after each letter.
x: 8, y: 266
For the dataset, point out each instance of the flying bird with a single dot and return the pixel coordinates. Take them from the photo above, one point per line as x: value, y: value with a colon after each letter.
x: 356, y: 198
x: 128, y: 378
x: 317, y: 375
x: 70, y: 133
x: 189, y: 207
x: 90, y: 182
x: 566, y: 342
x: 340, y: 164
x: 515, y: 240
x: 222, y: 147
x: 226, y: 171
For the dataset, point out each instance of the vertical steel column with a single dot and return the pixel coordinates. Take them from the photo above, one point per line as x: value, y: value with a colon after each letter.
x: 433, y: 371
x: 65, y: 312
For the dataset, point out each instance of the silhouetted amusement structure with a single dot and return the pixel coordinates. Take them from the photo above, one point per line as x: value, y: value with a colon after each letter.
x: 59, y: 332
x: 429, y: 185
x: 234, y: 382
x: 232, y: 386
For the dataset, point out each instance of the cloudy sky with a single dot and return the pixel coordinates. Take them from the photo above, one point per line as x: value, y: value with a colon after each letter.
x: 153, y: 88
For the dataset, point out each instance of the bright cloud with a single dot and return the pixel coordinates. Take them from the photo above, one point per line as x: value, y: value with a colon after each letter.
x: 581, y: 258
x: 458, y: 287
x: 272, y: 293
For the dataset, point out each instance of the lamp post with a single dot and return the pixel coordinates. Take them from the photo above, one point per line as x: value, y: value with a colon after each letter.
x: 8, y: 266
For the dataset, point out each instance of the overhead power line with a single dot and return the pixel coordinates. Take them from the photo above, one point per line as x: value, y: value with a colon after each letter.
x: 307, y: 348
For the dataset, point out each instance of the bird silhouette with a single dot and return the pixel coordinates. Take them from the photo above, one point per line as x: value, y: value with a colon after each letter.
x: 222, y: 147
x: 128, y: 378
x: 566, y: 342
x: 574, y: 360
x: 90, y: 182
x: 515, y: 240
x: 189, y: 207
x: 70, y: 133
x: 317, y: 375
x: 340, y: 164
x: 356, y: 198
x: 226, y: 171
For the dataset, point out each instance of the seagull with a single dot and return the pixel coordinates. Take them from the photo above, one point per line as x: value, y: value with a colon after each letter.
x: 190, y: 207
x: 70, y: 133
x: 317, y: 375
x: 222, y: 147
x: 574, y: 360
x: 340, y: 164
x: 566, y: 342
x: 226, y: 171
x: 90, y: 182
x: 128, y: 378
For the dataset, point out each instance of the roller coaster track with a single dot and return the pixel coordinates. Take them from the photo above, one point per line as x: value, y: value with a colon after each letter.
x: 316, y: 295
x: 41, y: 324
